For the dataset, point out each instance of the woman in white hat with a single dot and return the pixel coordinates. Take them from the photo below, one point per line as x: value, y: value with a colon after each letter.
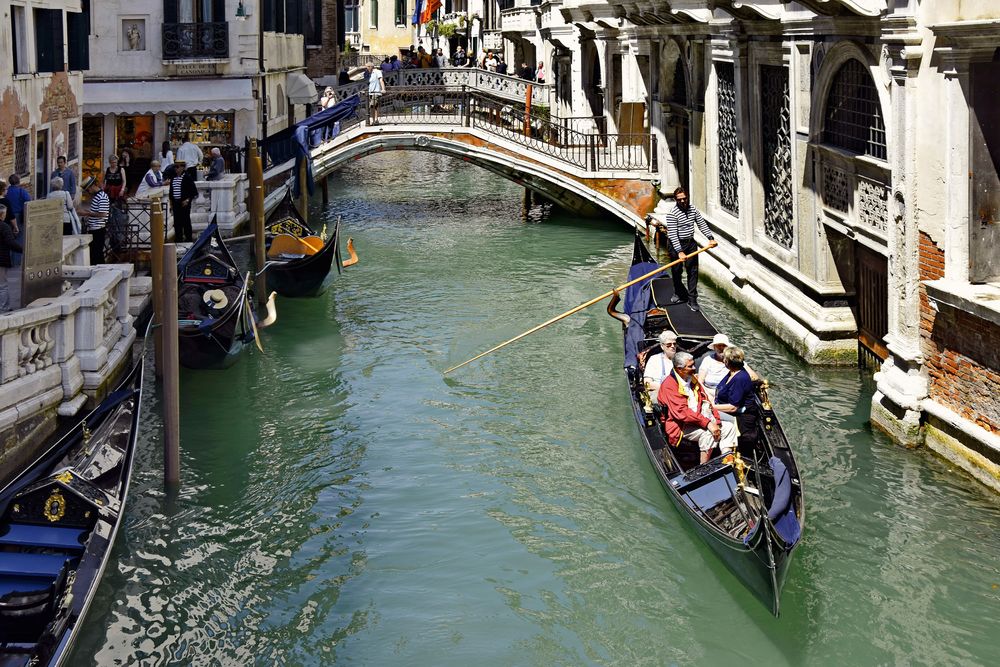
x: 712, y: 369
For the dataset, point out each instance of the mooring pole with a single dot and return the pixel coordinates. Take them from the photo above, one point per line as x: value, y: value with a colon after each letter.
x: 255, y: 170
x: 527, y: 111
x: 326, y: 191
x: 171, y: 371
x: 156, y: 269
x: 303, y: 192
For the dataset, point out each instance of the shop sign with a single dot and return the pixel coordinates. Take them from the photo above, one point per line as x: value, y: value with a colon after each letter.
x: 194, y: 69
x: 42, y: 266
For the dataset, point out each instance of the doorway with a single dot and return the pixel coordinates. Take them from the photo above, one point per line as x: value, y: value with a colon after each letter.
x: 41, y: 164
x: 871, y: 310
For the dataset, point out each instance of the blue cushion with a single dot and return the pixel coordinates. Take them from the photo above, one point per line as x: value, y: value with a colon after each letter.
x: 23, y: 584
x: 49, y: 537
x: 31, y: 565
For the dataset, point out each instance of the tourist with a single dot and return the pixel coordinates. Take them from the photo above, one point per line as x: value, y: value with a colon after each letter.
x: 114, y: 179
x: 343, y: 78
x: 394, y: 64
x: 423, y: 58
x: 680, y: 223
x: 95, y: 217
x: 66, y: 174
x: 386, y: 65
x: 8, y: 243
x: 501, y: 64
x: 658, y: 366
x: 71, y: 223
x: 712, y: 368
x: 325, y: 98
x: 690, y: 414
x: 6, y: 203
x: 441, y: 59
x: 459, y: 59
x: 540, y: 72
x: 183, y: 192
x: 490, y: 62
x: 735, y: 396
x: 376, y: 86
x: 218, y: 167
x: 125, y: 158
x: 166, y: 155
x: 190, y: 154
x: 152, y: 179
x: 526, y: 72
x: 17, y: 197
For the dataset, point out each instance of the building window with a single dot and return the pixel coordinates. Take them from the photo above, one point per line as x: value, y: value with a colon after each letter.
x: 775, y: 127
x: 77, y: 38
x: 729, y: 141
x: 400, y: 13
x: 314, y: 23
x: 73, y: 142
x: 352, y: 16
x: 49, y: 40
x: 984, y: 152
x: 373, y: 14
x: 22, y: 157
x: 19, y: 40
x: 853, y: 113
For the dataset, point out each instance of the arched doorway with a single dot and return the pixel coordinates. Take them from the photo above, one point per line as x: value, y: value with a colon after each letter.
x: 593, y: 83
x: 674, y: 106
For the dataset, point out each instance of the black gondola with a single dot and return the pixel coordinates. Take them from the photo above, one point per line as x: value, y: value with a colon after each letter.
x: 298, y: 260
x: 215, y: 315
x: 748, y: 508
x: 58, y: 521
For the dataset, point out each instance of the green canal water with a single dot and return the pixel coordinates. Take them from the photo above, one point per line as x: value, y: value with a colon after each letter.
x: 344, y: 502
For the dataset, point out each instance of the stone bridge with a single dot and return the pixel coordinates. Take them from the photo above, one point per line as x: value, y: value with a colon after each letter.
x: 501, y: 124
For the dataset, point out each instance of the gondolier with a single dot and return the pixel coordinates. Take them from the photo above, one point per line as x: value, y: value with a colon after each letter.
x: 680, y: 223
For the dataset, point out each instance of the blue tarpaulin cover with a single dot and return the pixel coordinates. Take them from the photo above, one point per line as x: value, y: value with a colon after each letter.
x: 637, y: 300
x: 782, y: 512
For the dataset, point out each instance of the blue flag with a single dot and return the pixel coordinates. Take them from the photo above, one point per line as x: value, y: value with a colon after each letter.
x: 416, y: 12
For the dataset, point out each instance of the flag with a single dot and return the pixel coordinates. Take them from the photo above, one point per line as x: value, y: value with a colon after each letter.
x: 416, y: 12
x: 428, y: 14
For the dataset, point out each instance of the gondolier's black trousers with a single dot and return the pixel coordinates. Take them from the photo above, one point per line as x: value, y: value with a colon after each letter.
x: 182, y: 222
x: 690, y: 292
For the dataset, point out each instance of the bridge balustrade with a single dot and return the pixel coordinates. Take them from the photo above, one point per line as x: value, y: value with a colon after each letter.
x: 454, y: 78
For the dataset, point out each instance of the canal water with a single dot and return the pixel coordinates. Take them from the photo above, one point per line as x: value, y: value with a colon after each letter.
x: 344, y: 502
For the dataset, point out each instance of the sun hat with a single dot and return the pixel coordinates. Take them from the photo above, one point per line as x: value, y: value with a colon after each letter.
x: 87, y: 182
x: 721, y: 339
x: 216, y: 299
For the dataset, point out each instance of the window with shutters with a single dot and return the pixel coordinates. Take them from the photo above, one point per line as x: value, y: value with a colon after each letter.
x: 73, y: 142
x: 19, y: 40
x: 373, y: 14
x: 195, y: 29
x: 78, y: 38
x: 400, y: 13
x: 49, y: 40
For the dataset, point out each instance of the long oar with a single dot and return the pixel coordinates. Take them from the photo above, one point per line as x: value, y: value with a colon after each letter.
x: 588, y: 304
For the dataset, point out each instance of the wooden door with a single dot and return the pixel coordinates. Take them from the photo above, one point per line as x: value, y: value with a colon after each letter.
x: 872, y: 305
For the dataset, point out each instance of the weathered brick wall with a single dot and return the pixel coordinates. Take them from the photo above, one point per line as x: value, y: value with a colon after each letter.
x: 13, y: 116
x: 324, y: 60
x: 961, y: 350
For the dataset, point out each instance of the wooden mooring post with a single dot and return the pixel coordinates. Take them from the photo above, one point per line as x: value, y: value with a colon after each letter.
x: 171, y: 371
x: 255, y: 171
x: 156, y: 233
x: 303, y: 191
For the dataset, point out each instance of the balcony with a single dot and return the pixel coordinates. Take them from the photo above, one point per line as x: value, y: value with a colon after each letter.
x: 189, y: 41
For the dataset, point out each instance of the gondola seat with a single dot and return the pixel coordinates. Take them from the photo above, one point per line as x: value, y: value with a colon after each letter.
x: 46, y: 537
x: 288, y: 245
x: 15, y: 564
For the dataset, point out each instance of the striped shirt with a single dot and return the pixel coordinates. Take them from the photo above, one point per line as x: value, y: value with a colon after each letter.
x: 680, y: 226
x: 100, y: 207
x: 175, y: 187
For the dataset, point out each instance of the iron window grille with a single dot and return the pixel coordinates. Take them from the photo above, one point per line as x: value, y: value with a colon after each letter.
x: 853, y: 114
x: 22, y: 157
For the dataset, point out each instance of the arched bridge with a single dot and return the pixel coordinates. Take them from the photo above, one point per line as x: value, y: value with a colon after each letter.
x: 487, y: 120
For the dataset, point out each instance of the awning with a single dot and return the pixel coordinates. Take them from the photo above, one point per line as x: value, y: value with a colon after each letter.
x: 300, y: 89
x: 169, y: 96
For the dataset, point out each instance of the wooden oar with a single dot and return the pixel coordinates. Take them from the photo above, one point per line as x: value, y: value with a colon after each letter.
x: 596, y: 299
x: 354, y: 256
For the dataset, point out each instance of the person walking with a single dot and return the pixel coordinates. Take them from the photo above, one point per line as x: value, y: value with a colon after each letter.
x: 71, y: 224
x: 8, y: 243
x: 376, y: 86
x: 680, y: 223
x: 114, y: 179
x: 17, y: 196
x: 95, y: 217
x: 183, y: 192
x: 540, y: 72
x: 66, y: 174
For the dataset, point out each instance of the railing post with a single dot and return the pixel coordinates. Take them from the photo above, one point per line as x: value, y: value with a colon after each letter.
x: 466, y: 112
x: 593, y: 152
x: 653, y: 158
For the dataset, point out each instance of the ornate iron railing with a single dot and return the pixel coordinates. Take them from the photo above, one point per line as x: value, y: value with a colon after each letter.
x: 353, y: 60
x: 183, y: 41
x: 454, y: 78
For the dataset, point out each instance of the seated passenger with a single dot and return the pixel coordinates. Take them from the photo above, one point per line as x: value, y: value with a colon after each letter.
x: 735, y: 396
x: 690, y: 415
x: 712, y: 369
x: 659, y: 365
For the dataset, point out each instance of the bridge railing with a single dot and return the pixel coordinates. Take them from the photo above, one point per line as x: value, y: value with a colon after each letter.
x: 540, y: 132
x: 454, y: 79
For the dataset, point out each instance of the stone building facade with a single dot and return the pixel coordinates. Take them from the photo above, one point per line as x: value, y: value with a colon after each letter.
x: 41, y: 88
x: 845, y: 154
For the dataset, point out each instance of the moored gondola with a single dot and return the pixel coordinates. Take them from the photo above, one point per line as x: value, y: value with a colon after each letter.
x: 215, y: 312
x: 747, y: 507
x: 298, y: 259
x: 58, y: 521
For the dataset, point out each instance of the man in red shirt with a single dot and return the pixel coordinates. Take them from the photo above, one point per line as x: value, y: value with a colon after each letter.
x: 690, y: 414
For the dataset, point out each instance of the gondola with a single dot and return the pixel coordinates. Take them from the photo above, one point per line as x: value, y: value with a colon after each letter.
x: 748, y: 508
x: 58, y: 521
x: 298, y: 260
x: 215, y: 313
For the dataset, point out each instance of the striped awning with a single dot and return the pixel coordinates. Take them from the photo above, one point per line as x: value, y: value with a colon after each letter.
x: 172, y: 96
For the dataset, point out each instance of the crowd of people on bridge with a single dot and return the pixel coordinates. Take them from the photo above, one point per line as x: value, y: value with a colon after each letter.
x: 420, y: 58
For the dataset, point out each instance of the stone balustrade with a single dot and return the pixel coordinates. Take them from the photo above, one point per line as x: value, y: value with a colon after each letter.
x: 224, y: 199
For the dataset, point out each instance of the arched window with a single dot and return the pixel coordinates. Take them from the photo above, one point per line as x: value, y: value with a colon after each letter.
x: 853, y: 114
x: 679, y: 93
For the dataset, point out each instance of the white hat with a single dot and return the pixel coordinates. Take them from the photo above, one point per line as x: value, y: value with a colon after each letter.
x: 667, y: 337
x: 721, y: 339
x: 216, y: 299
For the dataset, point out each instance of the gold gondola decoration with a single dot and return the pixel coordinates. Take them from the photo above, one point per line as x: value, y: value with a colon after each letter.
x: 55, y: 506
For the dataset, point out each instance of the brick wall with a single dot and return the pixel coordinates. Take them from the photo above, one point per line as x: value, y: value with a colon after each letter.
x: 963, y: 360
x: 13, y: 115
x: 324, y: 60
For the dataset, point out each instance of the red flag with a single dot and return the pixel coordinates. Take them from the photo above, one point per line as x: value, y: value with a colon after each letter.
x: 429, y: 10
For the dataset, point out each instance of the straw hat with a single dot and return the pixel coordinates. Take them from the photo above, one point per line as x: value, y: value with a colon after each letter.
x: 216, y: 299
